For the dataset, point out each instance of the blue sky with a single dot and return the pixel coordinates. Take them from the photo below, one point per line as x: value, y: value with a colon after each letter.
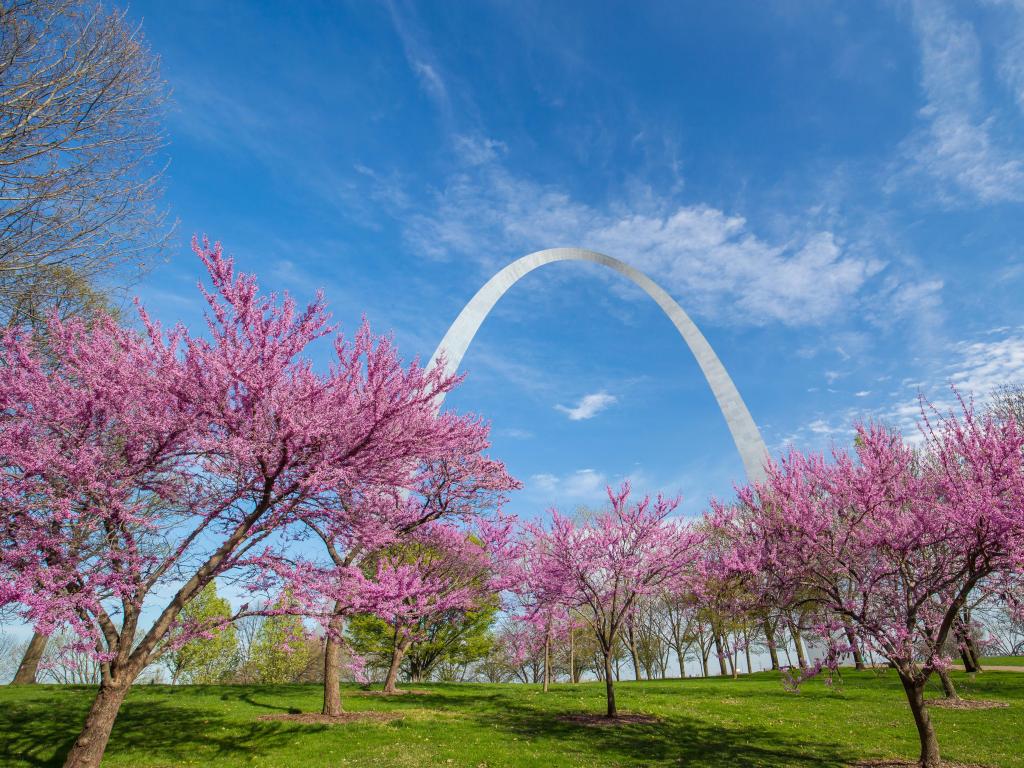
x: 833, y: 191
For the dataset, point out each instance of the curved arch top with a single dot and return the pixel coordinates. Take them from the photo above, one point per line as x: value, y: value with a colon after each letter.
x: 744, y: 431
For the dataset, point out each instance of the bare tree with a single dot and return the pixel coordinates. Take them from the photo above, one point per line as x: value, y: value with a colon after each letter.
x: 80, y: 102
x: 66, y: 663
x: 10, y: 652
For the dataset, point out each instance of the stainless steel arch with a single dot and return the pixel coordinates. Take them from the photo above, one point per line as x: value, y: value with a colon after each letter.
x: 744, y: 432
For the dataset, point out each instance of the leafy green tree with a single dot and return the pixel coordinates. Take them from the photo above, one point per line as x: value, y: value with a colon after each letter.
x: 454, y: 640
x: 456, y: 637
x: 208, y: 659
x: 280, y: 652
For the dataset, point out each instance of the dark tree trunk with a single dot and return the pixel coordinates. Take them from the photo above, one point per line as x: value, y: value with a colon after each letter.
x: 572, y: 656
x: 609, y: 685
x: 851, y: 638
x: 773, y: 649
x: 681, y: 658
x: 397, y: 654
x: 801, y: 657
x: 547, y: 661
x: 972, y: 649
x: 634, y: 657
x: 720, y: 652
x: 965, y: 638
x: 87, y: 751
x: 26, y: 674
x: 925, y: 731
x: 948, y: 689
x: 332, y: 667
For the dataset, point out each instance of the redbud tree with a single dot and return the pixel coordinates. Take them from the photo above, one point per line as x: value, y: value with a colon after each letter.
x: 441, y: 573
x: 452, y: 482
x: 147, y: 464
x: 603, y: 566
x: 890, y: 542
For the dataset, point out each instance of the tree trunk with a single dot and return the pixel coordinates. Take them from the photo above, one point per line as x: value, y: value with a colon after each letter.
x: 773, y: 649
x: 681, y: 658
x: 547, y: 661
x: 397, y: 654
x: 609, y: 685
x: 720, y: 653
x: 572, y: 656
x: 948, y: 689
x: 801, y: 657
x: 87, y: 751
x: 925, y: 731
x: 972, y: 648
x: 851, y: 638
x: 332, y: 667
x: 746, y: 652
x: 634, y: 657
x: 26, y: 674
x: 704, y: 662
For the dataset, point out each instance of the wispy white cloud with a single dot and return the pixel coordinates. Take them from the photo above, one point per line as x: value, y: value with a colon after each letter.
x: 1011, y: 53
x: 985, y: 366
x: 976, y: 368
x: 515, y: 433
x: 711, y: 260
x: 473, y: 149
x: 589, y: 406
x: 581, y: 486
x: 960, y: 143
x: 421, y: 57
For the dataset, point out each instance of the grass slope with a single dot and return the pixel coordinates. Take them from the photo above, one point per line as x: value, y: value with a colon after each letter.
x: 718, y: 722
x: 1003, y: 661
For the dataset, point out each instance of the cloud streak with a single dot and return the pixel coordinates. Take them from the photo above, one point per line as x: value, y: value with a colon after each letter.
x: 589, y: 406
x: 712, y: 261
x: 960, y: 144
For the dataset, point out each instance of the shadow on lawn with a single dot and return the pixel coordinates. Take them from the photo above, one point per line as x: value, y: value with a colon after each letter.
x: 39, y: 731
x: 676, y: 739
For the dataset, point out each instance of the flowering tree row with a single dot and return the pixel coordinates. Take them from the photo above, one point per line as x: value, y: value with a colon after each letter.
x: 887, y: 547
x: 883, y: 550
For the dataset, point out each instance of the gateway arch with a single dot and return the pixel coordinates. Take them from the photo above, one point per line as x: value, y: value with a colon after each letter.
x: 744, y: 431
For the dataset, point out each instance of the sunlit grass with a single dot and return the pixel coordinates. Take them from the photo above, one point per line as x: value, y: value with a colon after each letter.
x: 751, y: 721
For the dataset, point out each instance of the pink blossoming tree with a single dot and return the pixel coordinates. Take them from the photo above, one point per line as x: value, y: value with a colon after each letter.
x: 889, y: 544
x: 207, y: 446
x: 603, y: 566
x: 443, y: 571
x: 451, y: 482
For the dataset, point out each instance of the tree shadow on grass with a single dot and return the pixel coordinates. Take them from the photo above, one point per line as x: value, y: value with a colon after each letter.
x: 38, y: 731
x: 673, y: 739
x: 270, y: 697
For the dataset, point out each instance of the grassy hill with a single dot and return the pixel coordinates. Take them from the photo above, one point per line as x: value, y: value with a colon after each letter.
x: 718, y: 722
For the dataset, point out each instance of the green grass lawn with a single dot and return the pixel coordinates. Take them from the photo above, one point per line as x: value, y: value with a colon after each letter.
x: 718, y: 722
x: 1003, y: 661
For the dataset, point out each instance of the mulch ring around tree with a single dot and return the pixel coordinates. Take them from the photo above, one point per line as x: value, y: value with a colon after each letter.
x: 966, y: 703
x: 399, y: 692
x: 316, y: 718
x: 603, y: 720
